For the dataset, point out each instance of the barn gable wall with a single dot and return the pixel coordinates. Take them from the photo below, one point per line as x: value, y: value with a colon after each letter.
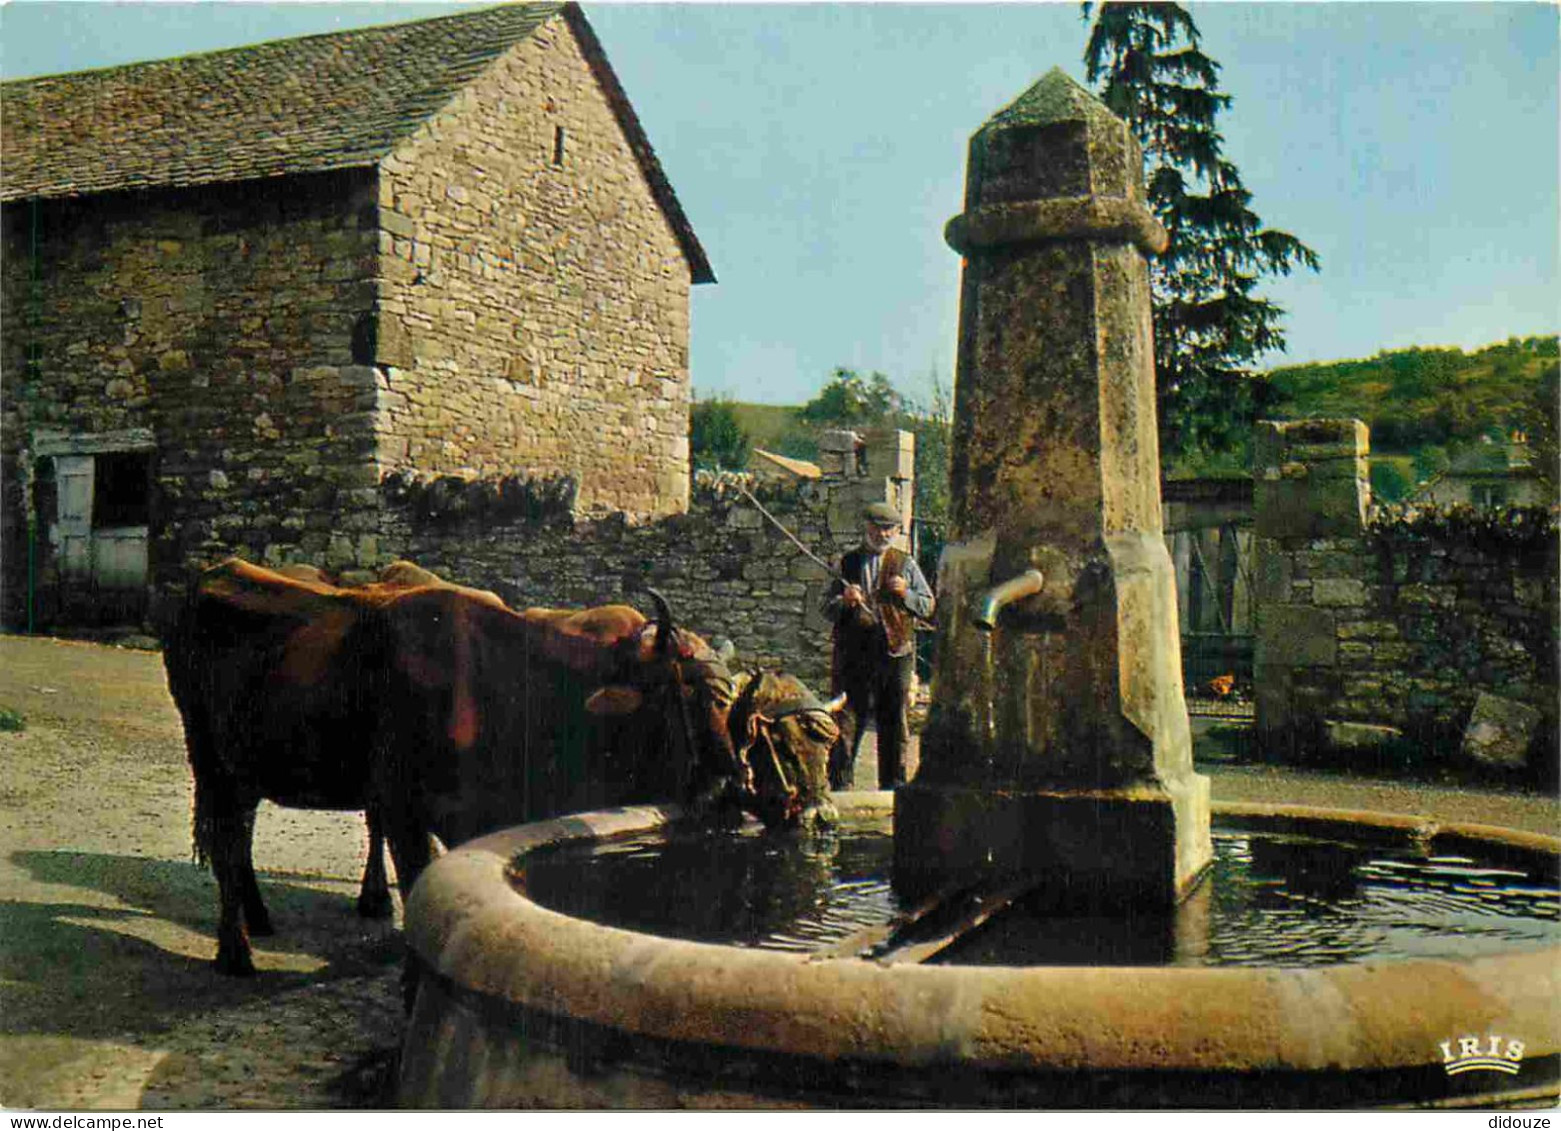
x: 534, y: 306
x: 504, y: 296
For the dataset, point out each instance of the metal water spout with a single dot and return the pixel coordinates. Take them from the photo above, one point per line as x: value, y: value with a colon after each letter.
x: 995, y: 600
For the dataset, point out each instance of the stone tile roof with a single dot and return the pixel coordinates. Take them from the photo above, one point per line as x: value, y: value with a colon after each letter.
x: 317, y: 103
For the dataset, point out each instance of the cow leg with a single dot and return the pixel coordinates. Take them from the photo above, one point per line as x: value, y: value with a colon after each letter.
x: 256, y: 917
x: 718, y: 804
x: 228, y: 848
x: 411, y: 849
x: 853, y: 727
x: 374, y: 898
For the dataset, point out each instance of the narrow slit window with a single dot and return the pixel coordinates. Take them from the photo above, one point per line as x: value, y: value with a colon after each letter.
x: 558, y: 145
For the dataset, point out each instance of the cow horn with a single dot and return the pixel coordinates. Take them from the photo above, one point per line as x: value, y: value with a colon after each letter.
x: 664, y: 626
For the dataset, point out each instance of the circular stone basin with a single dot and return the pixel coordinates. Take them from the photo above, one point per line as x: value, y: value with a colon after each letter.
x: 522, y: 1006
x: 1270, y: 898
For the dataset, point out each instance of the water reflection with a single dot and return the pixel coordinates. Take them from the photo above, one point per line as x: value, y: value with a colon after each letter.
x: 748, y: 888
x: 1271, y: 899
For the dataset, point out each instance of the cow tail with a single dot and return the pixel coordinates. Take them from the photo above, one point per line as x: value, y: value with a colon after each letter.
x: 205, y: 829
x: 180, y: 659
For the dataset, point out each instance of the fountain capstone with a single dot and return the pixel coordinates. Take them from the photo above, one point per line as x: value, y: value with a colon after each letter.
x: 1058, y: 745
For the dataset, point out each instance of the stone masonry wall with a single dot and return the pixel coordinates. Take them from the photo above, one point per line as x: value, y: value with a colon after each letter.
x: 1367, y: 635
x: 534, y: 299
x: 499, y: 300
x: 725, y: 569
x: 222, y: 321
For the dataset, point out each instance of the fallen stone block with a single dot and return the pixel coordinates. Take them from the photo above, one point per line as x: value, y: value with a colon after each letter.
x: 1499, y: 731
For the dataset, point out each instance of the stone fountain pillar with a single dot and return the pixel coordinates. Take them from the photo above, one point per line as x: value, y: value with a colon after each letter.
x: 1058, y: 745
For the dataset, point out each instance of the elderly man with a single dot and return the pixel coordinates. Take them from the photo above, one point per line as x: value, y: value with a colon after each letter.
x: 874, y: 603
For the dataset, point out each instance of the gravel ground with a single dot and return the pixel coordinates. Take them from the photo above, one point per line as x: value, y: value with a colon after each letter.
x: 107, y: 928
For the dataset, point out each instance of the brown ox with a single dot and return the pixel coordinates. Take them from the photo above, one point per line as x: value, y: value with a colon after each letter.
x: 439, y: 710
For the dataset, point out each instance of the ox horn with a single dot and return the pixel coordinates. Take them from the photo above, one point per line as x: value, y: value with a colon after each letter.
x: 664, y: 626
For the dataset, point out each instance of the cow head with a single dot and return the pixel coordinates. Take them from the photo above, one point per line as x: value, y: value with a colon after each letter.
x: 682, y: 687
x: 783, y: 735
x: 756, y: 742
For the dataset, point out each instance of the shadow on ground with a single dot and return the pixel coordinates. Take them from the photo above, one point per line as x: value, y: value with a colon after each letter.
x: 117, y: 950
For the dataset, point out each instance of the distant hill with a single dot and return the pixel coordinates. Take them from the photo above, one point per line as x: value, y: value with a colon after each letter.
x: 769, y: 426
x: 1423, y: 405
x: 1417, y: 397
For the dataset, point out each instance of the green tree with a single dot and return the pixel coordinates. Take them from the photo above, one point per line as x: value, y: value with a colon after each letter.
x: 1540, y: 421
x: 716, y: 440
x: 1389, y: 482
x: 1430, y: 461
x: 1210, y: 323
x: 933, y: 427
x: 849, y: 400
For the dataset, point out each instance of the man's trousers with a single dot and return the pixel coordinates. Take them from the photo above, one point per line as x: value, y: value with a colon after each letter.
x: 879, y: 690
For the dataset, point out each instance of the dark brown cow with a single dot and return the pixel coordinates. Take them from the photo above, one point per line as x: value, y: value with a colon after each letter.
x: 374, y: 893
x: 439, y: 710
x: 772, y: 714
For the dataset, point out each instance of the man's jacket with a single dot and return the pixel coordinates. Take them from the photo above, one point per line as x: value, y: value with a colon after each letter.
x: 886, y: 625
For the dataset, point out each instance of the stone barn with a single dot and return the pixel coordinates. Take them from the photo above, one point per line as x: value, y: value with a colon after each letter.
x: 244, y: 291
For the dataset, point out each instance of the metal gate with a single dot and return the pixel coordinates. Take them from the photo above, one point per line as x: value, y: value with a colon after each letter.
x: 1214, y: 607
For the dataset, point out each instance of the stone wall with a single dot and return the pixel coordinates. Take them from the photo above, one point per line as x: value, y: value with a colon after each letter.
x: 219, y: 321
x: 1375, y: 632
x: 534, y: 299
x: 726, y: 570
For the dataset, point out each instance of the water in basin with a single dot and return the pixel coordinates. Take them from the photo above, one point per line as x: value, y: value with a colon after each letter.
x: 1271, y: 899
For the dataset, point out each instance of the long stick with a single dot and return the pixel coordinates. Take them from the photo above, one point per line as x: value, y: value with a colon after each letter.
x: 795, y: 541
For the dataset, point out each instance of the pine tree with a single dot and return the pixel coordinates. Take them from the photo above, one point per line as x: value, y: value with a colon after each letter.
x: 1210, y: 324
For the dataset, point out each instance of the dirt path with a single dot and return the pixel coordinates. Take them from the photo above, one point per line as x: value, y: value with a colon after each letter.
x: 107, y: 928
x: 107, y: 996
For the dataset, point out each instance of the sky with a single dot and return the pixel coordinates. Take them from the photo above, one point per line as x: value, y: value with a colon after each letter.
x: 819, y: 149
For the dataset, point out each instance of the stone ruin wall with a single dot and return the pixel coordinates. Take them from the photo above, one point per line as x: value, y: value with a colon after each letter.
x: 1366, y: 640
x: 534, y: 298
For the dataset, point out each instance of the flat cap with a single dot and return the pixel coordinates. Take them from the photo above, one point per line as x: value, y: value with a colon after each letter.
x: 882, y: 514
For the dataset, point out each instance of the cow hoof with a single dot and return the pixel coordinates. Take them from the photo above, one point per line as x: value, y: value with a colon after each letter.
x: 235, y: 965
x: 817, y: 818
x: 375, y: 906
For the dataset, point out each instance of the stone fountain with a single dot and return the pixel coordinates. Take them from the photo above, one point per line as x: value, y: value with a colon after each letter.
x: 1056, y: 769
x: 1058, y: 746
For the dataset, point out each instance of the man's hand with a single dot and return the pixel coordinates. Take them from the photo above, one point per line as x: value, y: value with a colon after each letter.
x: 853, y: 596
